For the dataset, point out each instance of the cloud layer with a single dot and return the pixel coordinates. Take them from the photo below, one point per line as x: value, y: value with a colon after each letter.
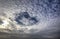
x: 46, y: 12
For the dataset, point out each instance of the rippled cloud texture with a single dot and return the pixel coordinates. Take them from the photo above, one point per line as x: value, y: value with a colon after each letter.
x: 29, y: 19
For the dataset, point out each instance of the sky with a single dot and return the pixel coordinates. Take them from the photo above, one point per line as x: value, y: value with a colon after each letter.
x: 30, y: 19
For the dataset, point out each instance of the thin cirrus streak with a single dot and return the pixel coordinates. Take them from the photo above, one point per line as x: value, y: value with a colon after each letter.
x: 30, y: 19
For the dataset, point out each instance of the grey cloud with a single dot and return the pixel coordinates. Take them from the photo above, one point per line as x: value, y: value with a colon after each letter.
x: 47, y: 12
